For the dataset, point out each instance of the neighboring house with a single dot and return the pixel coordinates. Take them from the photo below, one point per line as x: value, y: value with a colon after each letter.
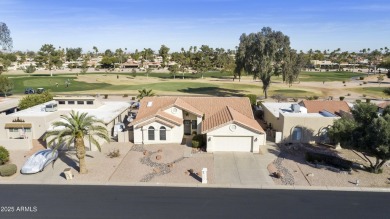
x: 305, y: 122
x: 8, y: 105
x: 17, y: 130
x: 333, y: 106
x: 382, y: 106
x: 227, y: 122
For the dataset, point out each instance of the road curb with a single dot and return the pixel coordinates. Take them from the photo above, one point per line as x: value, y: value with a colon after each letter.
x: 199, y: 185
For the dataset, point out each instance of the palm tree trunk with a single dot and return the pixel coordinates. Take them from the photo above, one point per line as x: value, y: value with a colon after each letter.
x: 80, y: 153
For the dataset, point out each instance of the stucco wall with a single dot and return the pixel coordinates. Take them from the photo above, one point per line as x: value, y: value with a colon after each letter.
x: 16, y: 144
x: 88, y: 145
x: 275, y: 121
x: 173, y: 135
x: 39, y: 124
x: 311, y: 126
x: 177, y: 113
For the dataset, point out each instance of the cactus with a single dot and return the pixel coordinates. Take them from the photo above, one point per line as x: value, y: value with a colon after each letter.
x: 8, y: 169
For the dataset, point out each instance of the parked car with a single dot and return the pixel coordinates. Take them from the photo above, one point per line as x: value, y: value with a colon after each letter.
x: 29, y: 90
x: 38, y: 161
x: 40, y: 90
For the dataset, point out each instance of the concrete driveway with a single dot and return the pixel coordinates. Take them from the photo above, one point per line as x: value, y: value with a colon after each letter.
x: 241, y: 168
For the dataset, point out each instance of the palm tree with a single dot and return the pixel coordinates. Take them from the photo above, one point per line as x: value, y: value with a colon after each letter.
x: 96, y: 50
x: 73, y: 129
x: 145, y: 93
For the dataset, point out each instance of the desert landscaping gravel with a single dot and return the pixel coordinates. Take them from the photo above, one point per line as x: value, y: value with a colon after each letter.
x: 291, y: 161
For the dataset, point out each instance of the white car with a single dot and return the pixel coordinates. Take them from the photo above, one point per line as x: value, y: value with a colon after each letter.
x: 38, y: 161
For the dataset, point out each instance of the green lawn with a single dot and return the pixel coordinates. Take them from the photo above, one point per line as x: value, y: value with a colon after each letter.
x: 162, y: 75
x: 49, y: 83
x: 212, y: 87
x: 291, y: 92
x: 327, y: 76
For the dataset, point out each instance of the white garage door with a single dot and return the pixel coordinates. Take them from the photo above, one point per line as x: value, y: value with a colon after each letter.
x: 232, y: 143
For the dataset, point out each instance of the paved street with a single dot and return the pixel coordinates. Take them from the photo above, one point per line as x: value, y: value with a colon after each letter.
x: 73, y: 201
x: 241, y: 168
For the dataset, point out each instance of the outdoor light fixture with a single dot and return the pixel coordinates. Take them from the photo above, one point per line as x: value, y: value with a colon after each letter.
x: 255, y: 140
x: 209, y: 139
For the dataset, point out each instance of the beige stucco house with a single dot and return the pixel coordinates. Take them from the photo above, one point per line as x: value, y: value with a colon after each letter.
x: 8, y: 105
x: 227, y: 122
x: 19, y: 129
x: 307, y: 121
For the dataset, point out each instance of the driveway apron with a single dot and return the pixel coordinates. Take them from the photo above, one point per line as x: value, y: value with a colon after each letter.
x: 240, y: 168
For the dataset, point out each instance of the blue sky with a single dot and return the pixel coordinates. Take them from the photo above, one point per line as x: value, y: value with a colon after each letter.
x: 137, y: 24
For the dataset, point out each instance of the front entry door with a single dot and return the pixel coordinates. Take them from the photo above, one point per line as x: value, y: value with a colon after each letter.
x: 187, y: 127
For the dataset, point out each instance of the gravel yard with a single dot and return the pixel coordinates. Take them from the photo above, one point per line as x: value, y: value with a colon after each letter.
x: 296, y: 171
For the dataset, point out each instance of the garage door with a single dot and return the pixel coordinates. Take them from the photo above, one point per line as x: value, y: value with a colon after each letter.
x: 232, y: 143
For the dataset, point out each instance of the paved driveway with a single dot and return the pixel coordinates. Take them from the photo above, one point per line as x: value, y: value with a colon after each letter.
x: 241, y: 168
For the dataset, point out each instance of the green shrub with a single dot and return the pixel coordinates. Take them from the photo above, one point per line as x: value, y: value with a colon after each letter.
x: 125, y: 95
x: 364, y: 95
x: 329, y: 160
x: 361, y: 78
x: 34, y: 99
x: 342, y: 98
x: 8, y: 169
x: 252, y: 98
x: 387, y: 91
x: 197, y: 141
x: 358, y: 101
x: 4, y: 155
x: 343, y: 82
x: 132, y: 98
x: 30, y: 69
x: 368, y: 100
x: 194, y: 133
x: 312, y: 97
x: 364, y: 82
x: 105, y: 96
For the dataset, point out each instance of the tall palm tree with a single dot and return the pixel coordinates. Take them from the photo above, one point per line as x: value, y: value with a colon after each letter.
x: 96, y: 50
x: 145, y: 93
x: 73, y: 129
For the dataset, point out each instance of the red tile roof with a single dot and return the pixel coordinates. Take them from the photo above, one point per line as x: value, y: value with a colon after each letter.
x: 228, y: 116
x: 383, y: 104
x: 332, y: 106
x: 216, y: 110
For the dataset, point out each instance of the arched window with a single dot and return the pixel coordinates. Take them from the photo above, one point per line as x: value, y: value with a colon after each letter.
x: 163, y: 133
x: 151, y: 133
x: 324, y: 135
x: 297, y: 134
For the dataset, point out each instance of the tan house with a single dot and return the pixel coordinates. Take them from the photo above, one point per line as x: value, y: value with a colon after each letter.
x: 226, y: 122
x: 17, y: 130
x: 8, y: 105
x: 307, y: 121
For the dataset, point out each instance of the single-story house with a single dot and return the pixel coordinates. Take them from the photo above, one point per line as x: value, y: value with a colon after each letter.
x: 19, y: 129
x: 8, y: 105
x: 227, y: 123
x: 307, y: 121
